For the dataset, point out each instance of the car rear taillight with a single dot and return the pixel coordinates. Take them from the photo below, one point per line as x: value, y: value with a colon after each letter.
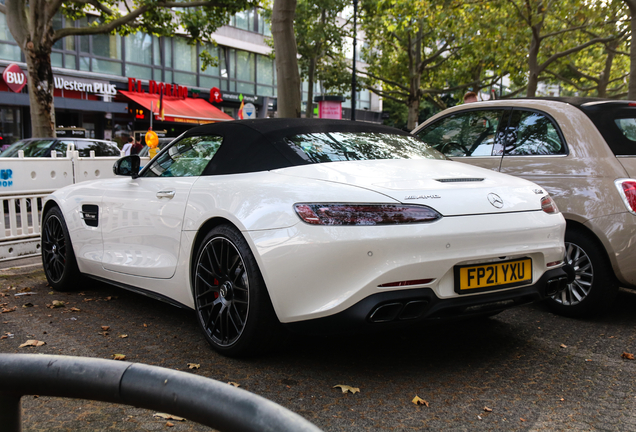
x: 365, y: 214
x: 627, y: 190
x: 548, y: 205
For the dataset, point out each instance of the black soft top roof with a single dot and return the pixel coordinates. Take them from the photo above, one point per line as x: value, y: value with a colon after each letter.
x: 259, y: 145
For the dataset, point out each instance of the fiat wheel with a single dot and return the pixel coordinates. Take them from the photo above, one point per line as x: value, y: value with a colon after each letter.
x: 58, y: 258
x: 232, y: 304
x: 594, y: 287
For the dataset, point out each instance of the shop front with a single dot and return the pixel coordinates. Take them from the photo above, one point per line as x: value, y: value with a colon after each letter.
x: 79, y: 103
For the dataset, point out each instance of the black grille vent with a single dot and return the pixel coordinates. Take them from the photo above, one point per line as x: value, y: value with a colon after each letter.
x: 90, y: 214
x: 459, y: 180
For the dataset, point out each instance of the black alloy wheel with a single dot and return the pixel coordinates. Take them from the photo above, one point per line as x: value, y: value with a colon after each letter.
x: 233, y: 307
x: 594, y: 287
x: 58, y: 258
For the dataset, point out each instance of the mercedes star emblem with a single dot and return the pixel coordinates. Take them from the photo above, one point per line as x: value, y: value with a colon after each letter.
x: 495, y: 200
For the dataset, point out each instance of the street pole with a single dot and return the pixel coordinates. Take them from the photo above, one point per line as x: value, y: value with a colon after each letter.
x: 353, y: 75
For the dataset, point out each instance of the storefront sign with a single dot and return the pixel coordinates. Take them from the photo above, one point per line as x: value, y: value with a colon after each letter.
x: 174, y: 90
x: 75, y: 84
x: 215, y: 95
x: 249, y: 111
x: 330, y: 109
x: 236, y: 97
x: 14, y: 77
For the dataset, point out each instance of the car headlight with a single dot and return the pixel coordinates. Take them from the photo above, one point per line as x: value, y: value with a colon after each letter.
x: 364, y: 214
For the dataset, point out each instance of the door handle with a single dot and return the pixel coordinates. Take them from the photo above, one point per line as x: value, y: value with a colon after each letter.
x: 165, y: 194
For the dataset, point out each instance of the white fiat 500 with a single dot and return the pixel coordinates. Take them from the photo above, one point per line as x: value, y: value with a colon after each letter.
x: 317, y: 225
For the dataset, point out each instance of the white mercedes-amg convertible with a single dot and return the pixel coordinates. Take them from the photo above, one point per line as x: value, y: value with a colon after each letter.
x: 314, y: 225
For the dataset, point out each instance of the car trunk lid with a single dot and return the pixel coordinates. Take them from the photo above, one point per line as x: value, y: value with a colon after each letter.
x: 451, y: 188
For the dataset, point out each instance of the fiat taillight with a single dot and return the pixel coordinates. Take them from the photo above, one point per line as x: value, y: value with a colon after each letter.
x: 548, y: 205
x: 627, y: 190
x: 364, y: 214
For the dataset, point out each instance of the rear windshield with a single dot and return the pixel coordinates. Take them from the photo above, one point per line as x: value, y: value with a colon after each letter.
x: 617, y: 123
x: 344, y: 146
x: 35, y: 148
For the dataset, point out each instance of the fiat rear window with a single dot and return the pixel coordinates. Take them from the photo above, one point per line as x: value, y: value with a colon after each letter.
x: 616, y: 121
x: 344, y: 146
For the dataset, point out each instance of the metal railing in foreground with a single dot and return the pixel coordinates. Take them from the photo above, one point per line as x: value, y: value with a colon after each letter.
x: 203, y: 400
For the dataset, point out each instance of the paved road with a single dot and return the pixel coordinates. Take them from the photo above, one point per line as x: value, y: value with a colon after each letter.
x: 534, y: 370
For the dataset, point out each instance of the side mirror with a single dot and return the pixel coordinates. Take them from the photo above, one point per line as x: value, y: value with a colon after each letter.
x: 127, y: 166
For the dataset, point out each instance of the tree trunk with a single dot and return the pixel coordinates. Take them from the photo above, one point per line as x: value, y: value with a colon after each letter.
x: 604, y: 79
x: 310, y: 91
x: 34, y: 36
x: 40, y: 84
x: 415, y: 78
x: 286, y: 58
x: 533, y: 64
x: 631, y: 90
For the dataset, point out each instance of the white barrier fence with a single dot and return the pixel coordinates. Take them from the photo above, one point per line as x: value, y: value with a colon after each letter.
x: 24, y: 182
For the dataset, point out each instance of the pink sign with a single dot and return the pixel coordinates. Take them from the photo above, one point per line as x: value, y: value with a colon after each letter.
x: 14, y: 77
x: 330, y: 109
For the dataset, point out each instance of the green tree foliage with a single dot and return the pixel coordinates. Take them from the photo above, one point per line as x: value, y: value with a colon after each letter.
x: 320, y: 35
x: 423, y: 50
x: 31, y: 24
x: 556, y: 29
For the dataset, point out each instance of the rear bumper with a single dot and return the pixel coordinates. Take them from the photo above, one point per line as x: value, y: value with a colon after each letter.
x: 617, y: 232
x: 408, y: 307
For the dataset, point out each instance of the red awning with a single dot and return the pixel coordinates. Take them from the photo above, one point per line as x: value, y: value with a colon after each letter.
x: 188, y: 110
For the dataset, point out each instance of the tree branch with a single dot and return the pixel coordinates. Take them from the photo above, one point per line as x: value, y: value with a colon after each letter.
x: 95, y: 3
x: 3, y: 9
x: 384, y: 94
x: 556, y: 33
x: 580, y: 74
x: 525, y: 18
x: 567, y: 52
x: 393, y: 83
x: 515, y: 93
x: 126, y: 19
x: 570, y: 82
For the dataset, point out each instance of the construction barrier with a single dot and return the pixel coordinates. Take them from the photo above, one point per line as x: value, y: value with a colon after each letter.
x: 24, y: 182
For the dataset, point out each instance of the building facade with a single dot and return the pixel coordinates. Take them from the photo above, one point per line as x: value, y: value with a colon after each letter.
x: 99, y: 79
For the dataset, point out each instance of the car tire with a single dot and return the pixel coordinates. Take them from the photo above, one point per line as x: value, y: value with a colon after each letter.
x: 594, y: 288
x: 232, y: 304
x: 58, y: 257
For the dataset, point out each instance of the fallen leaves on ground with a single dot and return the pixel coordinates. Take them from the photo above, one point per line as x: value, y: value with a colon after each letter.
x: 169, y: 424
x: 346, y: 388
x: 235, y: 384
x: 105, y: 328
x: 564, y: 346
x: 32, y: 342
x: 74, y: 309
x: 193, y: 366
x: 487, y: 409
x: 168, y: 416
x: 119, y: 356
x: 27, y: 305
x: 7, y: 310
x: 123, y: 336
x: 419, y: 401
x: 57, y: 304
x: 628, y: 356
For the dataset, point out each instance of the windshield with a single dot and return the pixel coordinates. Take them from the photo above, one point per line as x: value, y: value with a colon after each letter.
x: 35, y: 148
x: 344, y: 146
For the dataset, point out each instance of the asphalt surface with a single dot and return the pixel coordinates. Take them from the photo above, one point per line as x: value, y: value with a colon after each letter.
x: 524, y: 369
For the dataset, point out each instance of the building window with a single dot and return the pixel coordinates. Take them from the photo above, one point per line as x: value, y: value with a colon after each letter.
x: 251, y: 21
x: 9, y: 50
x: 139, y: 49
